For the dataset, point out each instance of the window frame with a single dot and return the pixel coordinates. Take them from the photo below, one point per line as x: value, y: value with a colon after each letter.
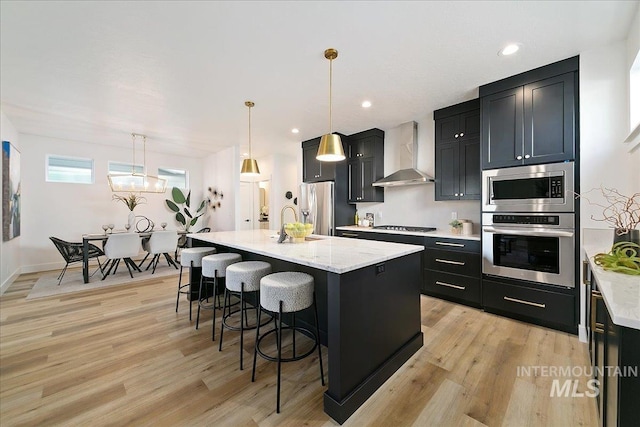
x: 169, y: 186
x: 48, y: 178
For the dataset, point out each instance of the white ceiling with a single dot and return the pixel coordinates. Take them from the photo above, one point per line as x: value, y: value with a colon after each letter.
x: 180, y: 72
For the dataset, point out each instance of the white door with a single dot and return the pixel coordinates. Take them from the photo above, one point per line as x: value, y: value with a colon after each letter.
x: 249, y: 206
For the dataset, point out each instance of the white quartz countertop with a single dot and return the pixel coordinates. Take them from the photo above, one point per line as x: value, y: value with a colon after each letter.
x: 437, y: 233
x: 621, y: 292
x: 334, y: 254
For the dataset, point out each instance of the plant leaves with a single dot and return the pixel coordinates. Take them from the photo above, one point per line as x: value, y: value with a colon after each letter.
x: 202, y: 205
x: 188, y: 200
x: 177, y: 195
x: 172, y: 205
x: 180, y: 218
x: 186, y: 211
x: 193, y: 221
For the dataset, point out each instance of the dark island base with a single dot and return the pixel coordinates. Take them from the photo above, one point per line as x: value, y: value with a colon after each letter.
x: 368, y: 318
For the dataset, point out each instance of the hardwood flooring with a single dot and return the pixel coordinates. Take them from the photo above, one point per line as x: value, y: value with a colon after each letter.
x: 122, y: 356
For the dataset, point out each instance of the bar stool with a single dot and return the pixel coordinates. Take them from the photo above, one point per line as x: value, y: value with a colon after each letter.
x: 287, y: 292
x: 191, y: 257
x: 213, y: 267
x: 242, y: 277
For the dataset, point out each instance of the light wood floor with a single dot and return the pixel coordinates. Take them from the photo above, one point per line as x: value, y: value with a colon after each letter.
x: 122, y: 356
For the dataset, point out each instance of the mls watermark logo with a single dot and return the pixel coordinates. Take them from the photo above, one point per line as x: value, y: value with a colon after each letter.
x: 566, y: 382
x: 569, y: 388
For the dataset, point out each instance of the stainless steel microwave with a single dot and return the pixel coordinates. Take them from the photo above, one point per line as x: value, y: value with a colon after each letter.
x: 534, y: 188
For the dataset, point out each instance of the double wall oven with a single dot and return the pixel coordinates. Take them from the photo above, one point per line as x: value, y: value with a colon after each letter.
x: 528, y: 223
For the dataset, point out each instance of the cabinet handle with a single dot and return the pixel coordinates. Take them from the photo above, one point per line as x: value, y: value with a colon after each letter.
x: 526, y: 156
x: 461, y: 194
x: 457, y: 245
x: 518, y: 157
x: 455, y: 136
x: 585, y: 273
x: 349, y: 235
x: 461, y: 134
x: 456, y: 194
x: 519, y: 301
x: 446, y: 261
x: 462, y: 288
x: 595, y: 326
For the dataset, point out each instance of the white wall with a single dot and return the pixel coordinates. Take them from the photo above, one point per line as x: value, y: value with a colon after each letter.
x: 69, y: 210
x: 10, y: 251
x: 604, y: 123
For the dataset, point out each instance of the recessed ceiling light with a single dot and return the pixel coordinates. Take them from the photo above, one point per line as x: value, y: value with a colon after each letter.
x: 366, y: 104
x: 295, y: 130
x: 509, y: 49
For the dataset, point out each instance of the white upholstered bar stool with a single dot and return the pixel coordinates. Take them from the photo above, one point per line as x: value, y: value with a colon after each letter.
x: 191, y: 257
x: 213, y: 267
x: 287, y: 292
x: 242, y: 277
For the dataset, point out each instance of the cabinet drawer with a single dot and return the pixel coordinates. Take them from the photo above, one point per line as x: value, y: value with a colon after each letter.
x: 453, y: 286
x: 464, y: 263
x: 546, y: 306
x: 453, y: 244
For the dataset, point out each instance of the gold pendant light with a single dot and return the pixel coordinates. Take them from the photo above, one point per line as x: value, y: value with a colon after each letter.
x: 250, y: 165
x: 330, y: 149
x: 137, y: 182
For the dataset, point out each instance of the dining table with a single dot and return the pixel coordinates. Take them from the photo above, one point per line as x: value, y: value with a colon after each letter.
x: 87, y: 238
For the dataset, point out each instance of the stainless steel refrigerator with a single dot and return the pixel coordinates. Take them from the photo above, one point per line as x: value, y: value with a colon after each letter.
x: 321, y: 205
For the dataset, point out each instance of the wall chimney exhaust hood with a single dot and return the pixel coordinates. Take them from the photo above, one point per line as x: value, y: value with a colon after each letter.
x: 404, y: 141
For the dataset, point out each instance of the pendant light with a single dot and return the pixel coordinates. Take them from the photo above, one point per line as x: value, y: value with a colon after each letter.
x: 330, y: 149
x: 137, y: 182
x: 250, y: 165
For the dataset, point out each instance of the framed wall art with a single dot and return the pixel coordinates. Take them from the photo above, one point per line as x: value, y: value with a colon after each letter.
x: 10, y: 191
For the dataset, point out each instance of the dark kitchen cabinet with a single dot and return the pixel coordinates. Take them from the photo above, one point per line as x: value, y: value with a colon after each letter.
x: 612, y: 348
x: 457, y: 152
x: 365, y: 154
x: 531, y: 118
x: 313, y: 170
x: 453, y: 270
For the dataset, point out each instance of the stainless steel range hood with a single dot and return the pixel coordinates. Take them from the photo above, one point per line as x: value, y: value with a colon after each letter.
x: 404, y: 140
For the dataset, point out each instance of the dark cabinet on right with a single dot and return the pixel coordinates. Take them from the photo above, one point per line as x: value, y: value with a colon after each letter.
x: 531, y: 118
x: 457, y: 152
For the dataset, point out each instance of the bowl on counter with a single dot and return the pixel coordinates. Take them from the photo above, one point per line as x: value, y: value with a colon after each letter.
x: 298, y: 231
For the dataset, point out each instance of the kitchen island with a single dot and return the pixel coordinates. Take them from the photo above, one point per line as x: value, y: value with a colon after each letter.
x: 368, y: 296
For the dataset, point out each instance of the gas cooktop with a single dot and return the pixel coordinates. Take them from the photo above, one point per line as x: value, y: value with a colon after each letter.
x: 404, y: 228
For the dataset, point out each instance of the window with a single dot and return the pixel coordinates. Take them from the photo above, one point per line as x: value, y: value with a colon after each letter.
x: 174, y: 177
x: 69, y: 169
x: 124, y: 168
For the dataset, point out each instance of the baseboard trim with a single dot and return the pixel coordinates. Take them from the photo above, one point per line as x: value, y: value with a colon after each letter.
x: 12, y: 278
x: 582, y: 333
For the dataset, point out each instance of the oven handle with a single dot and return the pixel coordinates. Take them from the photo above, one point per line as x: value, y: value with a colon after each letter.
x: 538, y: 233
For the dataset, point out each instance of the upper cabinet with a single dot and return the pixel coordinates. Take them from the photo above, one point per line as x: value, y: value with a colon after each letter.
x: 530, y: 118
x: 365, y: 154
x: 313, y: 170
x: 457, y: 151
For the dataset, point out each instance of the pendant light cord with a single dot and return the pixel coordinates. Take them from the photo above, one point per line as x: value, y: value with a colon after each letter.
x: 250, y: 157
x: 133, y: 164
x: 330, y: 97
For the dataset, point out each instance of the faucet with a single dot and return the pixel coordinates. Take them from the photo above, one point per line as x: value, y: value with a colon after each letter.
x: 283, y: 235
x: 295, y: 215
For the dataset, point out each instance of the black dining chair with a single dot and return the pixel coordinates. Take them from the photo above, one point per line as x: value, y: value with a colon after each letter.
x: 182, y: 241
x: 72, y: 252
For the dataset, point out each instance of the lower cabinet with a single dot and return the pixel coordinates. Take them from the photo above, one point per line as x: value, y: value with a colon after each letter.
x: 453, y: 270
x: 538, y: 305
x: 615, y: 352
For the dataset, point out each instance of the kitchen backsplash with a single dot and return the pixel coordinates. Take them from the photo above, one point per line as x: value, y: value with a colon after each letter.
x: 415, y: 205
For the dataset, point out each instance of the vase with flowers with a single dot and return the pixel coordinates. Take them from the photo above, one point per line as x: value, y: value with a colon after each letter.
x: 620, y: 211
x: 131, y: 200
x: 456, y: 226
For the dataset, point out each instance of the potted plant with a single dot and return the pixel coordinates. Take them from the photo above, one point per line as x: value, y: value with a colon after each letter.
x: 132, y: 200
x: 456, y: 226
x: 620, y: 211
x: 181, y: 205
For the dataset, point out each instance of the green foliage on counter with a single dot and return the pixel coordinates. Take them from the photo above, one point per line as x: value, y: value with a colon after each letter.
x: 622, y: 258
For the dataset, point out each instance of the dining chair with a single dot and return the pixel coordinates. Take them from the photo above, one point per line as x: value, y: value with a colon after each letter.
x: 121, y: 246
x: 72, y: 252
x: 160, y: 243
x: 182, y: 241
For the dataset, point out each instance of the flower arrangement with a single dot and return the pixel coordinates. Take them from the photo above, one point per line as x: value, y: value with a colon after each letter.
x: 132, y: 200
x: 456, y: 226
x: 620, y: 211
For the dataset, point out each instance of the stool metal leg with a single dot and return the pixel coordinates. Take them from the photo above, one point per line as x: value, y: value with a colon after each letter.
x: 190, y: 302
x: 243, y: 307
x: 224, y: 307
x: 199, y: 301
x: 255, y: 348
x: 293, y: 331
x: 315, y: 312
x: 179, y: 284
x: 279, y: 354
x: 215, y: 296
